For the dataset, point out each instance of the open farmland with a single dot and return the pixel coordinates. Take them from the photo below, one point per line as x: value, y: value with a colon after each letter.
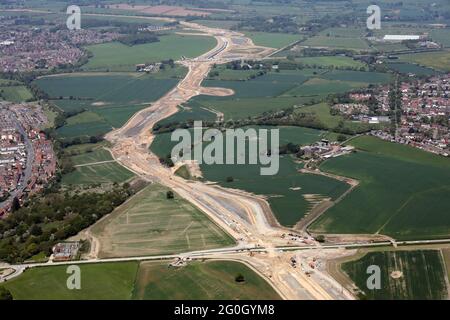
x: 151, y: 224
x: 112, y: 281
x: 272, y: 40
x: 291, y: 194
x: 331, y: 61
x: 16, y: 93
x: 403, y: 192
x: 210, y: 280
x: 116, y: 56
x: 436, y: 60
x: 109, y: 99
x: 102, y: 173
x: 405, y: 275
x: 284, y: 89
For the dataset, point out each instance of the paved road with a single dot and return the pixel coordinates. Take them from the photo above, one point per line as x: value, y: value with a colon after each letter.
x: 28, y: 170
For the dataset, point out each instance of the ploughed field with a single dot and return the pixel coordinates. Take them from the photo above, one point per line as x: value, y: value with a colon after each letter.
x: 151, y: 224
x: 405, y: 275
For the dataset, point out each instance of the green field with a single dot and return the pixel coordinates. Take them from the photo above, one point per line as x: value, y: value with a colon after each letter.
x: 322, y: 41
x: 102, y: 281
x: 104, y: 173
x: 407, y: 68
x: 403, y: 192
x: 284, y: 89
x: 423, y: 275
x: 272, y: 40
x: 109, y: 98
x: 151, y: 224
x: 322, y: 113
x: 436, y: 60
x: 331, y: 61
x: 289, y: 192
x: 97, y: 155
x: 211, y: 280
x: 15, y: 93
x: 119, y: 57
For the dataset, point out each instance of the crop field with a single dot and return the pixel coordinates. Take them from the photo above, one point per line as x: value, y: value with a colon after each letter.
x: 119, y: 57
x: 109, y: 281
x: 407, y: 68
x: 436, y: 60
x: 291, y: 194
x: 190, y: 111
x: 322, y: 87
x: 275, y: 91
x: 272, y: 40
x: 110, y: 99
x: 323, y: 41
x: 322, y: 112
x: 151, y: 224
x: 210, y: 280
x: 96, y: 155
x: 213, y: 280
x: 104, y: 173
x: 15, y: 93
x: 405, y: 275
x: 331, y: 61
x: 403, y: 192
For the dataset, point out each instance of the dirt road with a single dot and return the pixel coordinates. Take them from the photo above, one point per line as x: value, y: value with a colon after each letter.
x: 245, y: 217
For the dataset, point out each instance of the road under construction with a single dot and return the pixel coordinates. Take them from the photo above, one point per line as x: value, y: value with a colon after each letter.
x: 261, y: 241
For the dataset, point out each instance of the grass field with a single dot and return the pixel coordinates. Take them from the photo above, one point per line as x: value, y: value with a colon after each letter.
x: 272, y: 40
x: 102, y: 281
x: 96, y: 155
x: 403, y: 192
x: 281, y: 90
x: 407, y: 68
x: 211, y: 280
x: 436, y: 60
x: 331, y: 61
x: 423, y: 275
x: 109, y: 98
x: 15, y: 93
x: 322, y: 41
x: 119, y: 57
x: 97, y: 174
x: 151, y: 224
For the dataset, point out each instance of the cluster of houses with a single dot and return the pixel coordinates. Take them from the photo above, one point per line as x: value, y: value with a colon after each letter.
x: 27, y: 159
x: 325, y: 149
x: 26, y: 49
x: 148, y: 67
x: 425, y: 113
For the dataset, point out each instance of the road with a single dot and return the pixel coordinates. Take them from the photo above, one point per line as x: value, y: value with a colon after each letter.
x: 28, y: 169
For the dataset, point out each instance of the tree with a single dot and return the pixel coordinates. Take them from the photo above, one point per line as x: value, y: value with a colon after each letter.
x: 230, y: 179
x: 239, y: 278
x: 5, y: 294
x: 15, y: 204
x: 170, y: 194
